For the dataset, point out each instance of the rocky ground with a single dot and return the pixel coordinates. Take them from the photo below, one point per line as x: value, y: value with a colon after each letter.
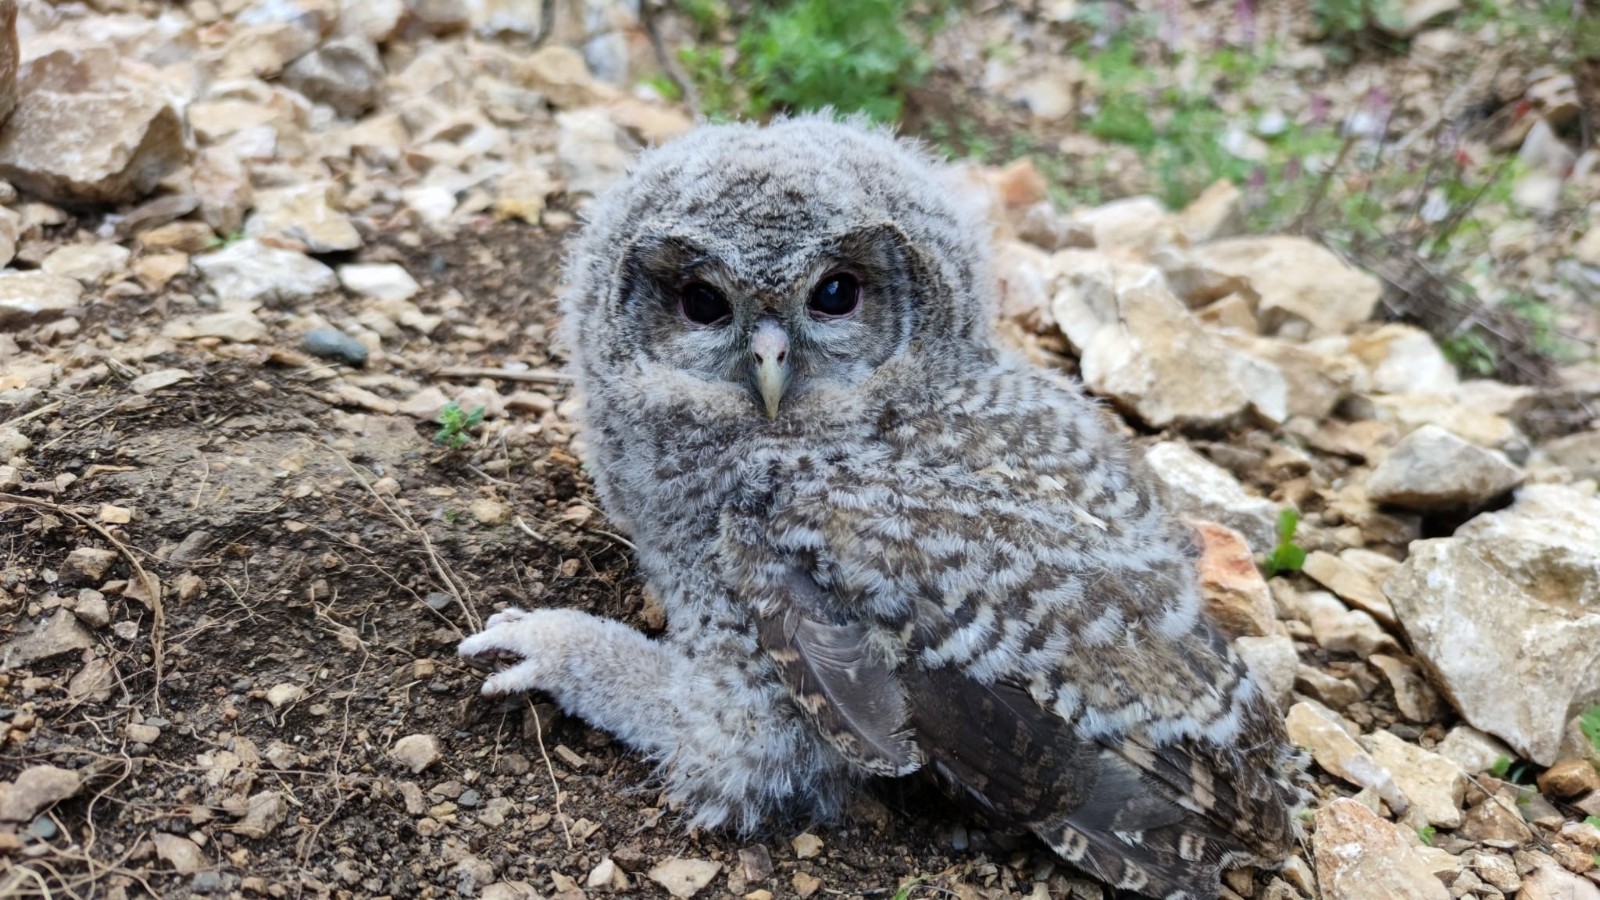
x: 236, y: 553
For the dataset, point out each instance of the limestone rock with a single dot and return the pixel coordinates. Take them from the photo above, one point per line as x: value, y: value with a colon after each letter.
x: 10, y: 57
x: 380, y: 281
x: 1157, y: 361
x: 1274, y: 661
x: 1217, y: 213
x: 346, y: 74
x: 28, y: 298
x: 1413, y: 695
x: 1305, y: 290
x: 1471, y: 749
x: 683, y: 878
x: 1197, y: 488
x: 591, y: 150
x: 560, y: 74
x: 1412, y: 410
x: 1320, y: 731
x: 61, y: 633
x: 1432, y: 469
x: 305, y: 214
x: 1521, y: 589
x: 36, y: 789
x: 1550, y: 882
x: 1234, y: 593
x: 1578, y: 453
x: 1349, y: 583
x: 87, y: 263
x: 1361, y: 857
x: 1401, y: 358
x: 184, y: 855
x: 97, y: 148
x: 249, y: 273
x: 1436, y: 786
x: 1130, y: 222
x: 416, y: 751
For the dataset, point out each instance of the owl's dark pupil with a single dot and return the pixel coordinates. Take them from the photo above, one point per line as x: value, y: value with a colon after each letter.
x: 702, y: 305
x: 837, y: 295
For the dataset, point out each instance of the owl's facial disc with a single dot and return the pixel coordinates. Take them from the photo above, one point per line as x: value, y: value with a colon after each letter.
x: 769, y: 348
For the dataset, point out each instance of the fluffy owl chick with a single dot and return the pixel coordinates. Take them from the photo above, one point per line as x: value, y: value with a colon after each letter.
x: 883, y: 544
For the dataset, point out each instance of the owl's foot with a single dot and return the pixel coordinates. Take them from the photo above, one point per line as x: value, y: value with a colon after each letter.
x: 511, y: 634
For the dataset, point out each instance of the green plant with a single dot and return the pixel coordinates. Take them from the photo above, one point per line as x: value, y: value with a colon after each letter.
x: 904, y: 891
x: 1287, y: 556
x: 1425, y: 834
x: 1592, y: 820
x: 1344, y: 19
x: 1589, y: 724
x: 1501, y: 767
x: 454, y: 424
x: 809, y: 54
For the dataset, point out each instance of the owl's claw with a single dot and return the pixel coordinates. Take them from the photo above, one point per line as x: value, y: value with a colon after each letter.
x: 505, y: 637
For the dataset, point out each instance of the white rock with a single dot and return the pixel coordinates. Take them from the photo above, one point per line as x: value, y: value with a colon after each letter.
x: 88, y: 263
x: 1130, y: 222
x: 416, y: 751
x: 1410, y: 411
x: 683, y: 878
x: 239, y: 325
x: 1472, y: 750
x: 1305, y: 290
x: 1274, y: 660
x: 1320, y: 730
x: 347, y: 74
x: 1217, y: 213
x: 380, y: 281
x: 1401, y: 358
x: 1200, y: 489
x: 591, y: 149
x: 1159, y: 362
x: 91, y: 148
x: 305, y: 214
x: 60, y: 633
x: 36, y: 789
x: 1361, y: 857
x: 1505, y: 616
x: 1433, y: 469
x: 1435, y: 785
x: 249, y: 274
x: 184, y: 855
x: 1551, y: 882
x: 27, y: 298
x: 1349, y: 583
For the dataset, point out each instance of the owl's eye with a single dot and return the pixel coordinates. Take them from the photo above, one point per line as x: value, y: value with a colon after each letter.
x: 836, y: 296
x: 702, y: 304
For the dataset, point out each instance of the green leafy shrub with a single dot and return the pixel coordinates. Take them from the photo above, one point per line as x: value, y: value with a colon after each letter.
x: 857, y: 56
x: 455, y: 425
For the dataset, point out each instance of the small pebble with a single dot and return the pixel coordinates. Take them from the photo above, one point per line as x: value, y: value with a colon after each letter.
x: 468, y: 800
x: 438, y: 601
x: 206, y: 882
x: 43, y: 828
x: 331, y: 343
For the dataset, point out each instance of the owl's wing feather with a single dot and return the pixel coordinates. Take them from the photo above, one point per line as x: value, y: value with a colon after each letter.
x: 997, y: 748
x: 850, y: 693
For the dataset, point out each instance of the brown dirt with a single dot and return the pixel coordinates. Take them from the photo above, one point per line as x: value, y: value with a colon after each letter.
x: 287, y: 556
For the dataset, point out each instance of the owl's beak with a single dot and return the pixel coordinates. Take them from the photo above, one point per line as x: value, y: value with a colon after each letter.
x: 770, y: 347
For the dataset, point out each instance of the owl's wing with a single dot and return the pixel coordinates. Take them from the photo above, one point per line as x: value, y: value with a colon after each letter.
x: 834, y: 674
x: 1148, y: 804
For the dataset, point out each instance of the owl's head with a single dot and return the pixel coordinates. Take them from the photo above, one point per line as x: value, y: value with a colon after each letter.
x: 778, y: 266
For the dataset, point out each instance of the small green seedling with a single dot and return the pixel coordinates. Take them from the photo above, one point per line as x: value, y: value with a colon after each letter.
x: 904, y: 892
x: 1592, y: 820
x: 1425, y: 834
x: 1287, y: 556
x: 1501, y: 767
x: 454, y: 425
